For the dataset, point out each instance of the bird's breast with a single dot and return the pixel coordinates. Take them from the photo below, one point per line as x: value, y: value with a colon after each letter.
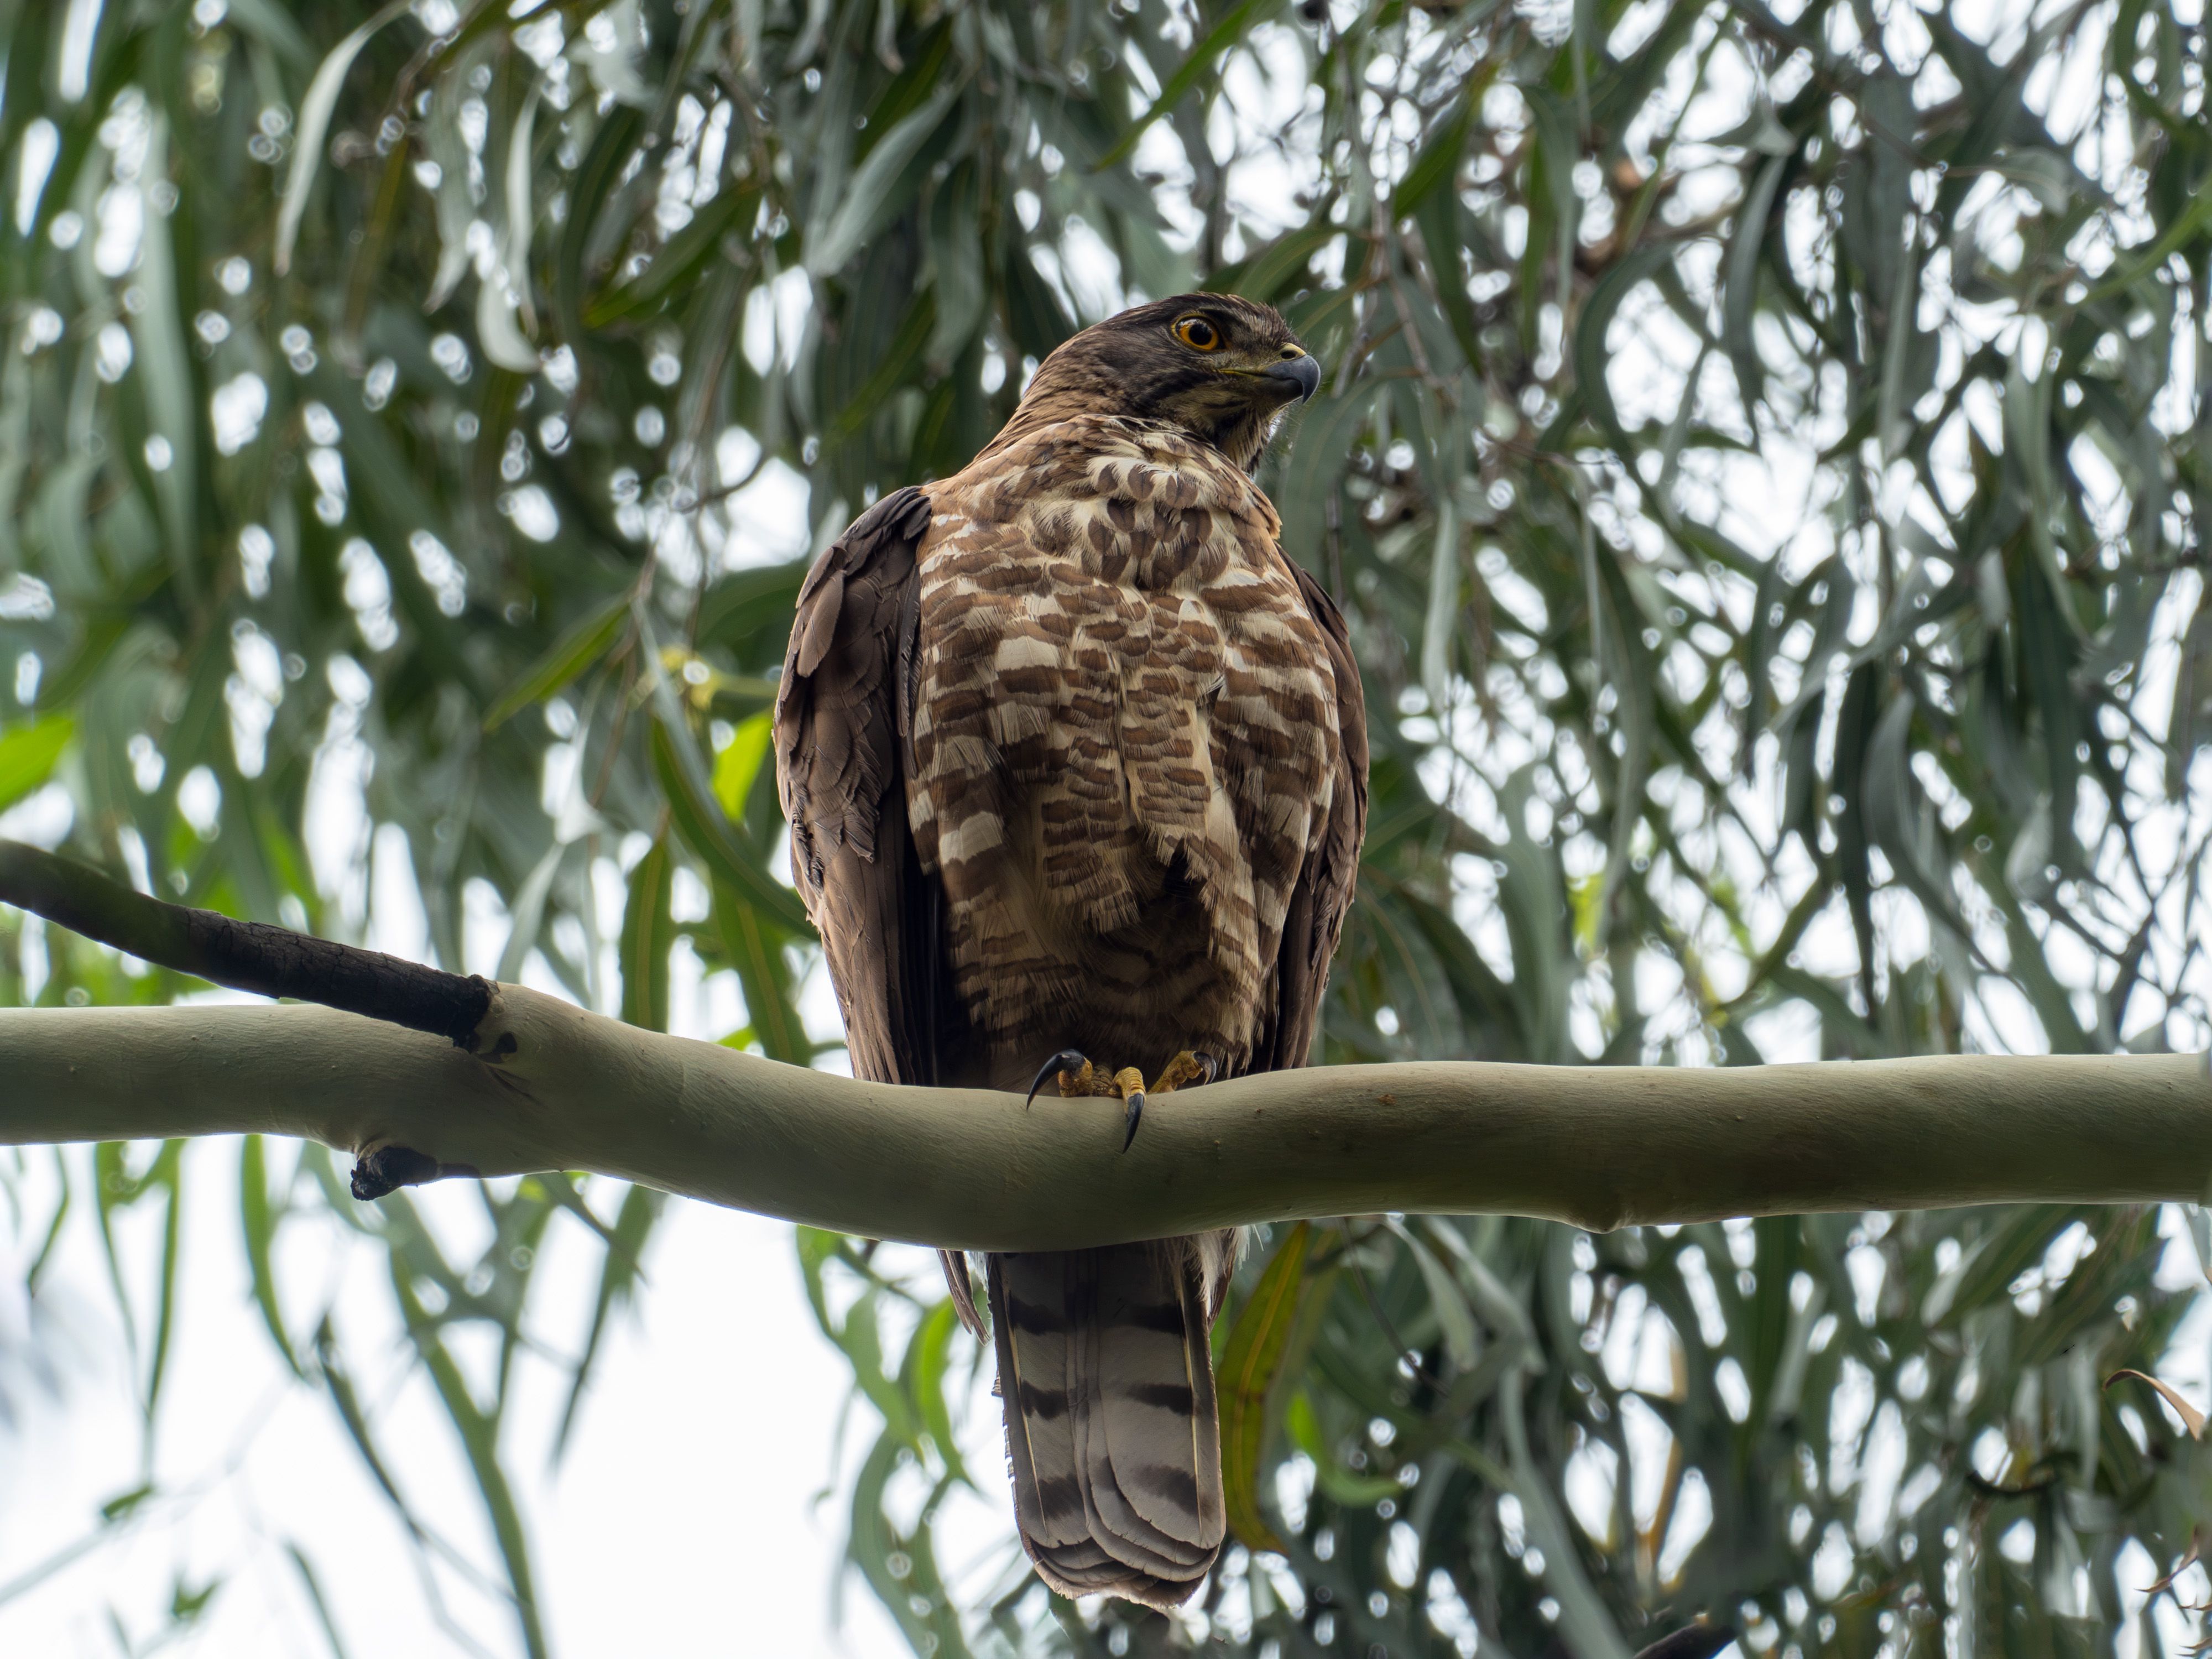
x: 1124, y: 723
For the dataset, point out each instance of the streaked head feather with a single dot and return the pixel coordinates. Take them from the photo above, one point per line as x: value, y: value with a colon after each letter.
x: 1133, y: 365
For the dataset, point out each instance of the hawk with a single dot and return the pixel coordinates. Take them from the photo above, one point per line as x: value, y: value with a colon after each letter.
x: 1075, y: 761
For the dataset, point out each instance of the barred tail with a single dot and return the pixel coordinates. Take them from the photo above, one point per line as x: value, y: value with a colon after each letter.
x: 1110, y: 1427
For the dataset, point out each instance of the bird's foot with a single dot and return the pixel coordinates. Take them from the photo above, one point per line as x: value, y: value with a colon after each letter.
x: 1078, y: 1077
x: 1185, y: 1068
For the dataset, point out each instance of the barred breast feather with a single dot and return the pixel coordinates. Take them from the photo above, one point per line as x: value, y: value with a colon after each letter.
x: 1125, y: 740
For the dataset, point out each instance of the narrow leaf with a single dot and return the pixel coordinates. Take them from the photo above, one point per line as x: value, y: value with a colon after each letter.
x: 1747, y: 237
x: 1352, y: 1489
x: 28, y: 753
x: 764, y: 977
x: 1435, y: 164
x: 1234, y: 25
x: 868, y: 197
x: 648, y: 934
x: 315, y: 110
x: 1455, y: 1318
x: 928, y: 1358
x: 260, y: 1217
x: 516, y: 254
x: 567, y: 656
x: 698, y: 818
x: 2191, y: 1417
x: 166, y: 1176
x: 619, y: 1276
x: 739, y: 763
x: 1249, y: 1368
x: 317, y: 1600
x: 529, y: 915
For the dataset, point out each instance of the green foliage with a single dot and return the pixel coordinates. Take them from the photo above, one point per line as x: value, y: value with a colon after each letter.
x: 1761, y: 457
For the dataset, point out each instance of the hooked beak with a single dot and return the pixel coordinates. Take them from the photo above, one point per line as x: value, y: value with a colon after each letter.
x: 1300, y: 373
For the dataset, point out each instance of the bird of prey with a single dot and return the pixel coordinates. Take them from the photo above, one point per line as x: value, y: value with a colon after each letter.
x: 1075, y: 760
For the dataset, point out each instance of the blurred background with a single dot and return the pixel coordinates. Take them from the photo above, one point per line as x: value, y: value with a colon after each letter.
x: 1759, y: 455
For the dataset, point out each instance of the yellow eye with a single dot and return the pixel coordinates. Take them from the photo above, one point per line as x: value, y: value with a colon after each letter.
x: 1198, y: 334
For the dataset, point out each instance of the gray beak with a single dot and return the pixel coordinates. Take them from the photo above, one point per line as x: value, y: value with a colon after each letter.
x: 1301, y: 371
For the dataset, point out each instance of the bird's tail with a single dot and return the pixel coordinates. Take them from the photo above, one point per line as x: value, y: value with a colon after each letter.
x: 1110, y: 1426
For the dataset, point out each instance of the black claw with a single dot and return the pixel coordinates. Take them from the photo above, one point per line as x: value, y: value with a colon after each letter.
x: 1068, y: 1060
x: 1212, y: 1066
x: 1136, y: 1114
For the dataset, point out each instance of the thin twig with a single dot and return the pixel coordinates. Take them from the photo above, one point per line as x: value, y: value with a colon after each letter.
x: 246, y: 956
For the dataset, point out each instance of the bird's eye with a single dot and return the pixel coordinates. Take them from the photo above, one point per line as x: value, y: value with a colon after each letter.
x: 1197, y: 333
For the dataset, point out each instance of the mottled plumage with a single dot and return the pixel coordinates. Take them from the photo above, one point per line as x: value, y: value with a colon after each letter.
x: 1075, y: 757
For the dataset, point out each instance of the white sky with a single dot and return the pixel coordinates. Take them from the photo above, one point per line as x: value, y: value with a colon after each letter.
x: 685, y: 1521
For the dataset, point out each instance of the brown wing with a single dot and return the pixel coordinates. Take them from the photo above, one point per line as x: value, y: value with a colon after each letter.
x: 1323, y: 893
x: 843, y: 724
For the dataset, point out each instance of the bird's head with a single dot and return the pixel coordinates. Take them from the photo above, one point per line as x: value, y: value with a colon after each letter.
x: 1220, y: 367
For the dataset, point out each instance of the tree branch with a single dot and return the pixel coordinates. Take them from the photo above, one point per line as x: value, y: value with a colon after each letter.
x: 551, y: 1086
x: 246, y: 956
x: 524, y: 1082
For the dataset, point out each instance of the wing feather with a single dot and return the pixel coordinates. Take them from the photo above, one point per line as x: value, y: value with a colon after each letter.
x: 843, y: 779
x: 1323, y: 892
x: 844, y: 718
